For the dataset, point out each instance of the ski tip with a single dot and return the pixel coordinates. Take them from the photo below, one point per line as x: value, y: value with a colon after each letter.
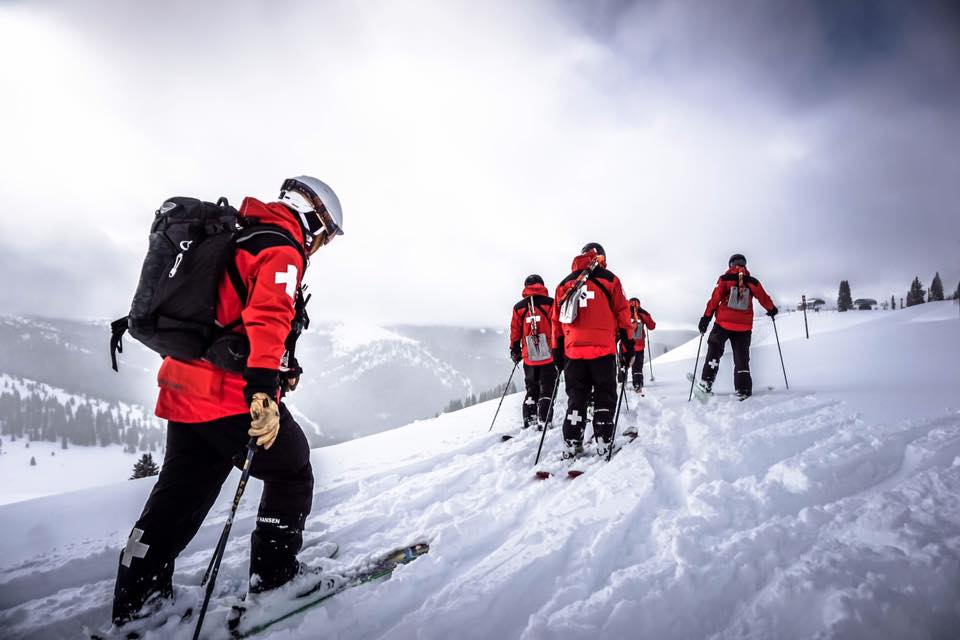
x: 574, y: 473
x: 542, y: 475
x: 504, y: 438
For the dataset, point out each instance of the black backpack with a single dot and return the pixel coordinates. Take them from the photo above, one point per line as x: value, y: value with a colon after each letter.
x: 192, y: 244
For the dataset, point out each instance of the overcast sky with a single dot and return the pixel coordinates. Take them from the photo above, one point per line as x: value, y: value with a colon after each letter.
x: 472, y: 143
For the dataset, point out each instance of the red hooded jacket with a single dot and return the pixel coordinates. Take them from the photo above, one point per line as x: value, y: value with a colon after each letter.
x: 197, y: 391
x: 522, y: 322
x: 733, y: 319
x: 639, y: 318
x: 603, y: 311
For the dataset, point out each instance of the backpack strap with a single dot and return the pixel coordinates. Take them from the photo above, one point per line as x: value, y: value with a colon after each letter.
x: 602, y: 288
x: 264, y: 235
x: 117, y: 328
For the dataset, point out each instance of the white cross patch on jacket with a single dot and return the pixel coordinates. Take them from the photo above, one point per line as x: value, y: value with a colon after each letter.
x: 288, y: 278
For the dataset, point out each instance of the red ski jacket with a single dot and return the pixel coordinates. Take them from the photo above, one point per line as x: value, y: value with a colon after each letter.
x: 639, y: 318
x: 523, y: 323
x: 197, y: 391
x: 733, y: 319
x: 603, y: 311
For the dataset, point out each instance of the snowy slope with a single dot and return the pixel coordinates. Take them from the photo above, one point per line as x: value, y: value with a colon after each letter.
x: 830, y: 510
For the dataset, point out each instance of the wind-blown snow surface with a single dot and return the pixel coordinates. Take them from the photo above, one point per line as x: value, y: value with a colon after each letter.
x: 830, y: 510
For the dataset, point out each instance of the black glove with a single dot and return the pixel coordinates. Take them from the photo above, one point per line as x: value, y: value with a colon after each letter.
x: 704, y: 323
x: 773, y: 311
x: 260, y: 380
x: 559, y: 357
x: 621, y: 373
x: 626, y: 344
x: 515, y: 354
x: 290, y: 376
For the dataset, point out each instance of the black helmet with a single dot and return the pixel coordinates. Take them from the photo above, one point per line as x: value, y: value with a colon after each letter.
x: 532, y: 279
x: 594, y: 246
x: 635, y: 300
x: 737, y: 259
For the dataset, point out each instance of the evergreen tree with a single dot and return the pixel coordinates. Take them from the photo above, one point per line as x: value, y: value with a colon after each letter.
x: 145, y: 467
x: 844, y: 298
x: 893, y: 303
x: 915, y: 295
x: 956, y: 294
x: 936, y: 289
x: 33, y: 461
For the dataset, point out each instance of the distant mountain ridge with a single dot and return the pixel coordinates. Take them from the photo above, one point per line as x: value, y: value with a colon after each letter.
x: 358, y: 378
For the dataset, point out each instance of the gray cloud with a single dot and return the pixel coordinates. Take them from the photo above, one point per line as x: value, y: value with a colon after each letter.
x: 474, y: 143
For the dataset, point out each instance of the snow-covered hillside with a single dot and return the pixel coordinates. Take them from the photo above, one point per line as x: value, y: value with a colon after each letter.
x: 829, y: 510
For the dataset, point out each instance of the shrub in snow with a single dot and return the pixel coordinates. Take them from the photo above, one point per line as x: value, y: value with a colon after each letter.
x: 145, y: 467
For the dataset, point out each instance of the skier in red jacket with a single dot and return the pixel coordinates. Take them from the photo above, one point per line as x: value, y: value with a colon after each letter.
x: 732, y: 302
x: 213, y: 412
x: 589, y: 323
x: 640, y: 321
x: 531, y: 340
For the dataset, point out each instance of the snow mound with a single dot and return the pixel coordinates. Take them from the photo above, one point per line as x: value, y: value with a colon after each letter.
x: 814, y: 512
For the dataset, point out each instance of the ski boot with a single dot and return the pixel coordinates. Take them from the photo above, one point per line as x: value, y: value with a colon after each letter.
x: 604, y: 448
x: 743, y: 395
x: 573, y: 449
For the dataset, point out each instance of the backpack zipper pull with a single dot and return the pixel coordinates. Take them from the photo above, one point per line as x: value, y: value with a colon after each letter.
x: 176, y: 265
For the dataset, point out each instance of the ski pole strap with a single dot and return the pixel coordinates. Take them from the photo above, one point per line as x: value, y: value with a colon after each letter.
x: 117, y: 328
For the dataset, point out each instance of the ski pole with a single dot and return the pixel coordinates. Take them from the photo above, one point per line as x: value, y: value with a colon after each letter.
x: 505, y: 389
x: 210, y: 577
x: 780, y: 352
x: 625, y: 371
x: 650, y: 354
x: 616, y: 415
x: 556, y: 386
x: 695, y: 363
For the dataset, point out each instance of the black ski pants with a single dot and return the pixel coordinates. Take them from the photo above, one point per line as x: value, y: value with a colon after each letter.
x: 740, y: 344
x: 539, y: 380
x: 636, y: 370
x: 197, y: 461
x: 600, y: 375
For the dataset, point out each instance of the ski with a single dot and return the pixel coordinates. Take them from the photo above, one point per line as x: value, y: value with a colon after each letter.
x: 576, y: 473
x: 381, y: 569
x: 153, y: 623
x: 702, y: 396
x: 136, y: 629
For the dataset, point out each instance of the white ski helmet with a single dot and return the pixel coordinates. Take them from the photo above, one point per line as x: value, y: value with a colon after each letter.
x: 317, y: 205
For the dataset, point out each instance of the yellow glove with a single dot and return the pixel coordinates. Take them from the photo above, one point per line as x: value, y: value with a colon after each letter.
x: 265, y: 419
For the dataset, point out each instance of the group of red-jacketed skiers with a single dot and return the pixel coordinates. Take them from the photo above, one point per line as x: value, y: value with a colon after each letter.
x: 592, y: 334
x: 225, y: 373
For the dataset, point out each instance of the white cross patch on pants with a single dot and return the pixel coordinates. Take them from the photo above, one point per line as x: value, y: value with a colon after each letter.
x: 134, y: 548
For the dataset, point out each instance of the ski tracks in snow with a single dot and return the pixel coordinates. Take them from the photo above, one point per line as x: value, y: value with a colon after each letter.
x: 785, y: 516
